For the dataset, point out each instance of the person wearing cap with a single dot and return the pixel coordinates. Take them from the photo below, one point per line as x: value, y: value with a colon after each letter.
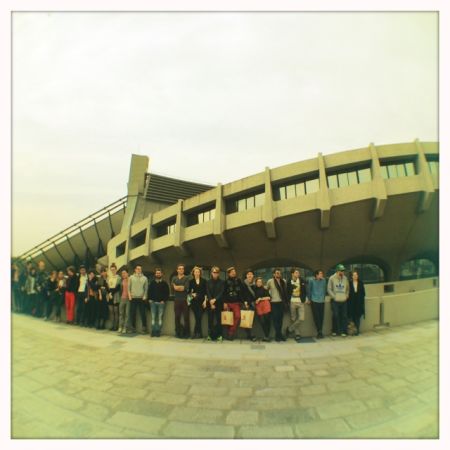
x: 338, y: 290
x: 233, y: 296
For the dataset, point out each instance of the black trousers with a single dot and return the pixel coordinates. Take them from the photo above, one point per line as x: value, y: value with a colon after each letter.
x: 181, y: 310
x: 214, y: 322
x: 80, y: 308
x: 101, y: 313
x: 137, y: 304
x: 265, y: 320
x: 277, y: 318
x: 30, y: 307
x: 41, y: 298
x: 197, y: 309
x: 90, y: 311
x: 318, y: 311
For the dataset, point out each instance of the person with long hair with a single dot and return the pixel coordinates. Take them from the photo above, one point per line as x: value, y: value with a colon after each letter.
x: 197, y: 289
x: 249, y: 298
x: 263, y: 307
x: 114, y: 287
x: 356, y: 299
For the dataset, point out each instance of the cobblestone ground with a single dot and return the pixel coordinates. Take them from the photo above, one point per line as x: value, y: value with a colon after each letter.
x: 71, y: 382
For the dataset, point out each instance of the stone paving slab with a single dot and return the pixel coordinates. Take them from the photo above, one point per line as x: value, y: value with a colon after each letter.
x: 382, y: 384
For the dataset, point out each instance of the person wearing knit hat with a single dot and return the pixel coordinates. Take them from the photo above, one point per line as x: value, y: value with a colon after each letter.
x: 338, y: 290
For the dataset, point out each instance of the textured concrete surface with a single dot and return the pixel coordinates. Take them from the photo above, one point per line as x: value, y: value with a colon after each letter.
x: 70, y: 382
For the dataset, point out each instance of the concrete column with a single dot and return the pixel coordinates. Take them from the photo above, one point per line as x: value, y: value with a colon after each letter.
x: 323, y: 197
x: 179, y: 230
x: 378, y: 184
x: 269, y: 213
x: 426, y: 178
x: 135, y: 188
x: 219, y: 224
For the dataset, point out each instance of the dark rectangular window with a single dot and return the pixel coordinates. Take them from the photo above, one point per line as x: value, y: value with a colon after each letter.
x: 138, y: 239
x: 248, y: 201
x: 433, y: 163
x: 120, y: 249
x: 195, y: 218
x: 397, y: 169
x: 349, y: 177
x: 296, y: 188
x: 166, y: 228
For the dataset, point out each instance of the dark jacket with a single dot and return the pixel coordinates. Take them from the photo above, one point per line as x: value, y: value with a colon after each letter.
x: 158, y: 291
x: 355, y: 302
x: 72, y: 284
x: 92, y: 288
x: 103, y: 288
x: 199, y: 289
x: 249, y: 293
x: 41, y: 281
x: 214, y: 289
x: 261, y: 292
x: 234, y: 290
x: 290, y: 289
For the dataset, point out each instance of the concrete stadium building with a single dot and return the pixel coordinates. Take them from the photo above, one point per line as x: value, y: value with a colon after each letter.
x: 373, y: 208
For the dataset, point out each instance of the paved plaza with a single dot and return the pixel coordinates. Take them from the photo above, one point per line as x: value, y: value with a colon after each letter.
x: 70, y: 382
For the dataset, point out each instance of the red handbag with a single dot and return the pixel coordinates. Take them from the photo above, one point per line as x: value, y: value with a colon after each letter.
x: 263, y: 307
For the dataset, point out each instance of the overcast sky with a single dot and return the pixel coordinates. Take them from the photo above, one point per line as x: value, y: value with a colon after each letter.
x: 209, y: 97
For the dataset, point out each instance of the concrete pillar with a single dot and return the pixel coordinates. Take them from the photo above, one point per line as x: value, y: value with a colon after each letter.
x: 378, y: 184
x: 426, y: 178
x: 219, y: 224
x: 180, y: 225
x: 268, y: 208
x: 323, y: 197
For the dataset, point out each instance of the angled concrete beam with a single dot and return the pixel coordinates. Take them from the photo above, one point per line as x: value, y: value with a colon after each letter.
x: 269, y: 213
x: 323, y: 197
x: 378, y: 184
x: 219, y: 224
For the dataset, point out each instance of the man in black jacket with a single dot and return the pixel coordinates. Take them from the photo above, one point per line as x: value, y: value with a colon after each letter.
x: 296, y: 290
x: 214, y: 293
x: 158, y: 294
x: 233, y: 296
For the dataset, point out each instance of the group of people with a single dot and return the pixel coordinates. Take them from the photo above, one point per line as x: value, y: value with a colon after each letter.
x: 93, y: 296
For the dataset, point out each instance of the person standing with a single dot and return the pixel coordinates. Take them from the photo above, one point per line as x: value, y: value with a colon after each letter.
x: 338, y: 290
x: 263, y: 307
x: 277, y: 288
x: 81, y: 296
x: 180, y: 286
x: 102, y: 300
x: 197, y: 289
x: 249, y: 299
x: 124, y: 306
x: 71, y: 289
x: 61, y: 291
x: 214, y: 294
x: 41, y: 285
x: 356, y: 300
x: 158, y: 295
x: 91, y: 295
x: 114, y: 288
x: 137, y: 294
x: 317, y: 290
x: 233, y: 296
x: 52, y: 293
x: 31, y: 291
x: 296, y: 293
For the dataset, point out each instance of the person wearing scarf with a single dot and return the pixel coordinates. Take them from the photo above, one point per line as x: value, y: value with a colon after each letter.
x: 279, y: 299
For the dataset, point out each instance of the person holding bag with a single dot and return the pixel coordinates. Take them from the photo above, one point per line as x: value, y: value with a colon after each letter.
x: 233, y: 296
x: 262, y: 307
x: 249, y: 299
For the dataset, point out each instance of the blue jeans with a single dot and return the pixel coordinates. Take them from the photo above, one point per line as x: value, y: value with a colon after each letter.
x: 157, y: 310
x: 340, y: 316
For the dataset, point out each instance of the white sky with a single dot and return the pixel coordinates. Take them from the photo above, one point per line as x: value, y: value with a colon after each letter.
x: 210, y: 97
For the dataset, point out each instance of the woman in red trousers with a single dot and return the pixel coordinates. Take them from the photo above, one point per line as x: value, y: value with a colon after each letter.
x: 71, y: 289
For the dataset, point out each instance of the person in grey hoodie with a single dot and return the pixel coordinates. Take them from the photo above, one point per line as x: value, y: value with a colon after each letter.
x: 338, y: 290
x: 137, y: 294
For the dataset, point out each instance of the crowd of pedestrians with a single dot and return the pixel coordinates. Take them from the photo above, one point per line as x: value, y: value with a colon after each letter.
x: 92, y: 297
